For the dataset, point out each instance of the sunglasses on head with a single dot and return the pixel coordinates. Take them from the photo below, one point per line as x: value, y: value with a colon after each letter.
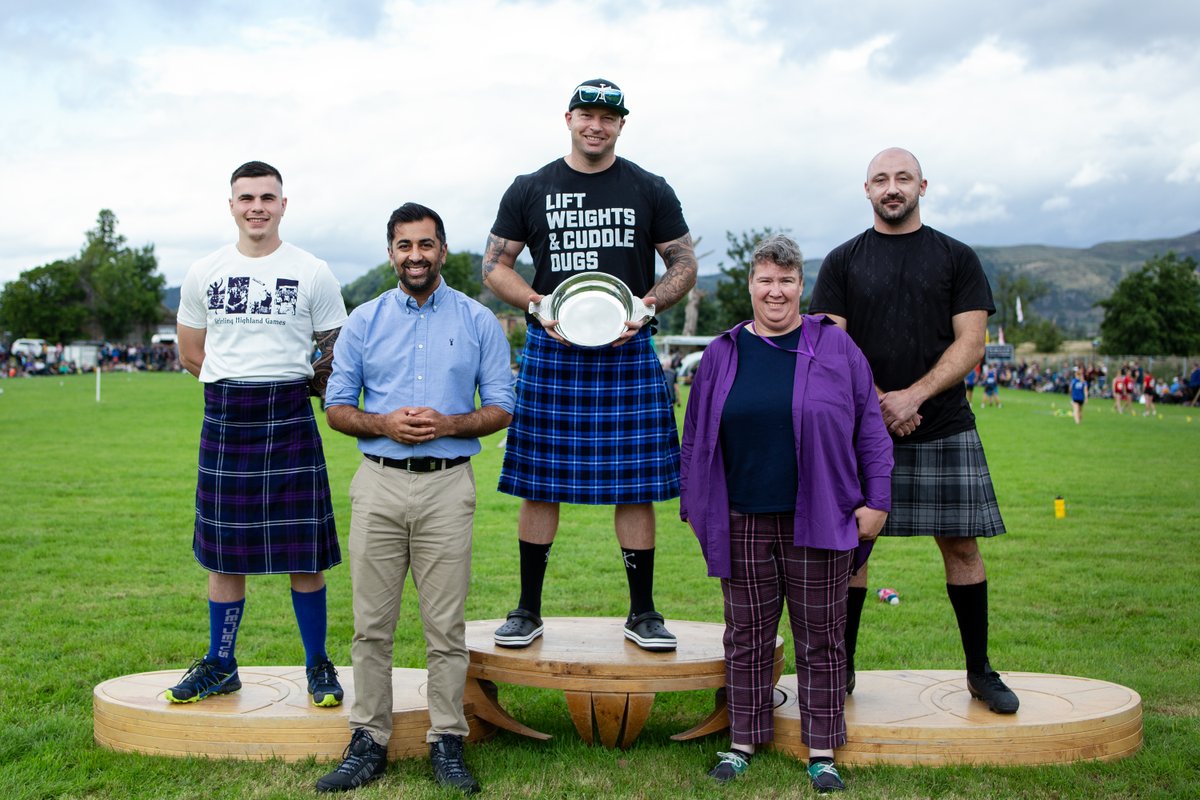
x: 600, y: 94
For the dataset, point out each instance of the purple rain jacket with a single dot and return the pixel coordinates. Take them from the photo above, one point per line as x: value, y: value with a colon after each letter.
x: 839, y: 435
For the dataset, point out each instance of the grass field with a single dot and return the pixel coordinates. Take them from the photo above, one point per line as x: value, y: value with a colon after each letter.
x: 96, y: 509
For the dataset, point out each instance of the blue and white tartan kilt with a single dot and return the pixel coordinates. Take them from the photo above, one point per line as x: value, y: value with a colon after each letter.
x: 943, y: 488
x: 262, y: 496
x: 593, y: 427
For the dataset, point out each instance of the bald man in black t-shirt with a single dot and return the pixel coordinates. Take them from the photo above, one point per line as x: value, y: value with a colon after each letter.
x: 916, y: 302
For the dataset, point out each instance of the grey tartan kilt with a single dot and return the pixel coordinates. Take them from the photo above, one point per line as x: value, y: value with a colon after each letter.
x: 943, y: 488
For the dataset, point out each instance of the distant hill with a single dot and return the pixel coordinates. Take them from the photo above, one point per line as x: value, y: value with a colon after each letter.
x: 1078, y: 278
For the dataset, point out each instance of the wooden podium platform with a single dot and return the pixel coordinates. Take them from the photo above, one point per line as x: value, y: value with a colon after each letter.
x: 919, y: 717
x: 271, y: 717
x: 928, y: 718
x: 609, y: 681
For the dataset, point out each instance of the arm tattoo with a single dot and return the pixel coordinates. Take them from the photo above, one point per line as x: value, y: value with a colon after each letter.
x: 491, y: 253
x: 680, y: 276
x: 323, y: 366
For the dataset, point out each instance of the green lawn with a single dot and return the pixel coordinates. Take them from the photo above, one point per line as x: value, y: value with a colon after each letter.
x: 96, y: 503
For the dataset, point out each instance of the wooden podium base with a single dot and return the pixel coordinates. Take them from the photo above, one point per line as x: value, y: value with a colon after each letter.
x: 609, y: 682
x: 923, y: 717
x: 928, y: 718
x: 270, y: 717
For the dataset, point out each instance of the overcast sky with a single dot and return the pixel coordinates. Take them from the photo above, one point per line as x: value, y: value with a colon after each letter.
x: 1066, y: 123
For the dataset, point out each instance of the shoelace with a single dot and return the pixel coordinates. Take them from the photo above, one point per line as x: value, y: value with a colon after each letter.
x: 203, y: 674
x: 738, y: 763
x: 324, y: 673
x: 352, y: 762
x: 819, y: 769
x: 451, y: 761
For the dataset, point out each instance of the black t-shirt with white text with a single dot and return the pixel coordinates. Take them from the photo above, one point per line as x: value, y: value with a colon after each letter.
x: 605, y: 221
x: 899, y: 294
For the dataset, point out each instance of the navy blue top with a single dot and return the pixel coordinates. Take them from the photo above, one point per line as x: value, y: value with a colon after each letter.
x: 758, y: 440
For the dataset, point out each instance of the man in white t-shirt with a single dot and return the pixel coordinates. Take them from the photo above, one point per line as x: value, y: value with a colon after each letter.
x: 248, y: 315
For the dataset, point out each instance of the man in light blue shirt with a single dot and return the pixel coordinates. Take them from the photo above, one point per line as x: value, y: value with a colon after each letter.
x: 417, y: 355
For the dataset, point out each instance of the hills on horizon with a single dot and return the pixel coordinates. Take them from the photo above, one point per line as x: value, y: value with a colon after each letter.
x: 1076, y: 278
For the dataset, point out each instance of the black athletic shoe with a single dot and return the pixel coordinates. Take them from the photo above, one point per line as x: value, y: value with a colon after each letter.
x: 519, y: 629
x: 825, y: 778
x: 449, y: 769
x: 203, y: 679
x: 988, y: 687
x: 323, y: 685
x: 647, y: 631
x: 729, y: 767
x: 363, y: 762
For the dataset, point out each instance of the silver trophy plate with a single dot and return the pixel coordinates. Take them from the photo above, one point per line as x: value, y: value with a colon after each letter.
x: 591, y: 308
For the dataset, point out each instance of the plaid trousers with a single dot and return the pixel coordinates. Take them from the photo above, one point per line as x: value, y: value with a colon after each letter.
x: 766, y: 569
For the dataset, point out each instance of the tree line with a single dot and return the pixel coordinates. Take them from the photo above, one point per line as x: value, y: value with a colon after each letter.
x: 110, y: 291
x: 106, y: 291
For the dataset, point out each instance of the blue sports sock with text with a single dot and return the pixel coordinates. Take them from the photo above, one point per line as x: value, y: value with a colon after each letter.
x: 223, y: 622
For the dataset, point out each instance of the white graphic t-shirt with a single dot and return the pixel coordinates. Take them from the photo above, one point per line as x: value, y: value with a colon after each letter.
x: 260, y: 313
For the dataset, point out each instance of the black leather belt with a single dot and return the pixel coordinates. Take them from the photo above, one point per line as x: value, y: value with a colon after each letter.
x: 419, y: 464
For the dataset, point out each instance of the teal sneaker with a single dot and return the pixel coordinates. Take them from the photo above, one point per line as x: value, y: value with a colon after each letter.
x: 729, y: 767
x: 825, y: 778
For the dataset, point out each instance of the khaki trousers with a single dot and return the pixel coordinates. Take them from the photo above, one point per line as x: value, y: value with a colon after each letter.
x: 402, y: 520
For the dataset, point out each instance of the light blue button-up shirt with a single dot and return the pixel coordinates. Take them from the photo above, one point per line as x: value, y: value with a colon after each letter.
x: 395, y: 353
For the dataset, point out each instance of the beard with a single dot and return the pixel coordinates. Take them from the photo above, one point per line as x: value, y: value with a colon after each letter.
x: 898, y: 215
x: 419, y: 285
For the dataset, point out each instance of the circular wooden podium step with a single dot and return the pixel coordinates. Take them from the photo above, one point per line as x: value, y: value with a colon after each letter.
x: 927, y: 717
x: 270, y: 717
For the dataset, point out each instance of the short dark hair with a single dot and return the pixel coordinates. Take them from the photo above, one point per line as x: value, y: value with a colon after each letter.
x: 780, y: 250
x: 414, y: 212
x: 255, y: 169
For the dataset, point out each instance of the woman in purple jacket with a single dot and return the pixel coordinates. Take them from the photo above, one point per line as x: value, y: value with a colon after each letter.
x: 786, y: 468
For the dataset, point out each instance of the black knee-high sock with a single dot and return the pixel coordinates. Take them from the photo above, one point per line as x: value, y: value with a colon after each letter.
x: 639, y: 569
x: 854, y: 606
x: 533, y: 574
x: 971, y: 609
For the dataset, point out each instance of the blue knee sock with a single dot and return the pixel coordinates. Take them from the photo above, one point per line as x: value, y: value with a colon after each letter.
x: 311, y: 618
x: 223, y: 622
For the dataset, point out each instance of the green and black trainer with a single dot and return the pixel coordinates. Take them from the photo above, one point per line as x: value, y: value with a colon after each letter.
x: 204, y: 678
x: 323, y: 685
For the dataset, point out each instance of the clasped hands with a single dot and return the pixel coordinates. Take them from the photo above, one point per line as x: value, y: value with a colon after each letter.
x: 900, y: 411
x: 415, y: 424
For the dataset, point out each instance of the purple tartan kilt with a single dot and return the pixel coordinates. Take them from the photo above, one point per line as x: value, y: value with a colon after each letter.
x: 943, y: 488
x: 593, y: 427
x: 262, y: 496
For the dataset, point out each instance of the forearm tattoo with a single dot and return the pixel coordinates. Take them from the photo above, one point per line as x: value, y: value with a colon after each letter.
x: 323, y: 366
x: 680, y: 277
x: 491, y: 254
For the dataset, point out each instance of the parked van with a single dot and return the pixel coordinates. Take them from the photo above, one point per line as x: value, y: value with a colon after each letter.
x: 29, y: 347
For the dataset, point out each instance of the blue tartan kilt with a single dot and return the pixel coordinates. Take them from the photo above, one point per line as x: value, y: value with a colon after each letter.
x: 262, y: 496
x: 593, y: 427
x: 943, y: 488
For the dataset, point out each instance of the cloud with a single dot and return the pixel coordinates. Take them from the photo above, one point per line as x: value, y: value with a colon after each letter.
x: 757, y: 113
x: 1089, y: 174
x: 1188, y: 168
x: 1056, y: 203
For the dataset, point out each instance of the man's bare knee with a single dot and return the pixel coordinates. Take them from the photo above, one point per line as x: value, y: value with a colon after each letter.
x: 962, y: 559
x: 635, y: 525
x: 538, y: 522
